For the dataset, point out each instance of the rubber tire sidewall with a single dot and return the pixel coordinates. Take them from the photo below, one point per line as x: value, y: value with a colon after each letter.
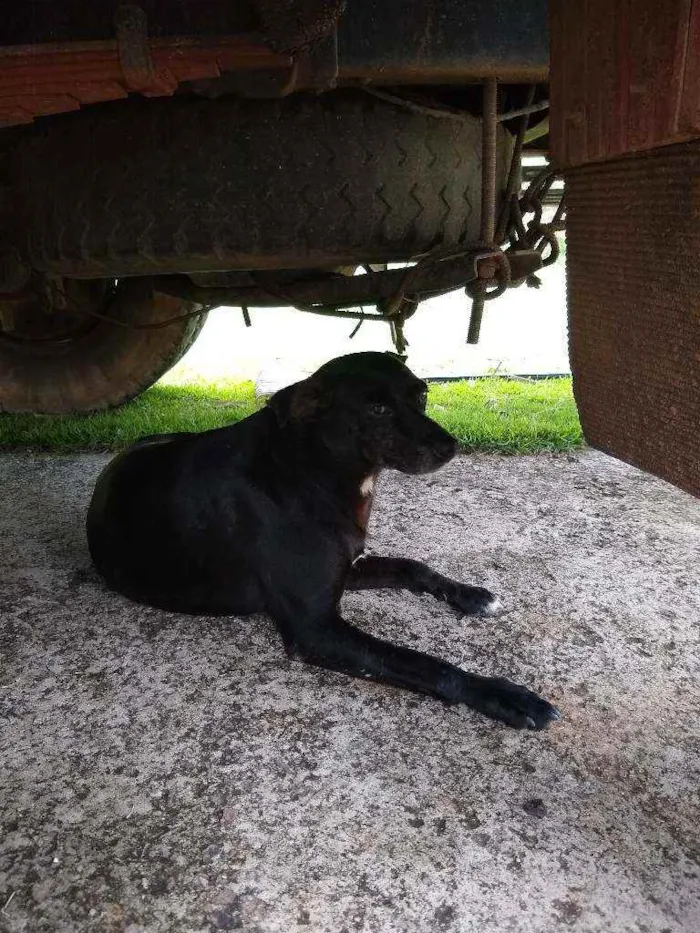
x: 104, y: 367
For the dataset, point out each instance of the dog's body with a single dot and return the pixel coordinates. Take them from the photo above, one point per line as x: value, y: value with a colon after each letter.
x: 270, y: 515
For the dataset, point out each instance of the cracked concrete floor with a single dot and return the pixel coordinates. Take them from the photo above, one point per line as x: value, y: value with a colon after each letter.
x: 164, y: 774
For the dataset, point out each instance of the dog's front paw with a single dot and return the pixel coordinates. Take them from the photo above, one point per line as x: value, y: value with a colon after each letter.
x: 514, y: 705
x: 475, y: 601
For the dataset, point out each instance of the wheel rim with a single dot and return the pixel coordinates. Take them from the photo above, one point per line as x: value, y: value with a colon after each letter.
x: 50, y: 315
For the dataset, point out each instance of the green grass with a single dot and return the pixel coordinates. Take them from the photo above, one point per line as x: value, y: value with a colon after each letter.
x: 509, y: 416
x: 163, y: 408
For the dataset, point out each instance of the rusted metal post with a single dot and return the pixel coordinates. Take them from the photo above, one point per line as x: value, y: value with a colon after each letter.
x: 488, y: 195
x: 488, y: 161
x: 514, y: 173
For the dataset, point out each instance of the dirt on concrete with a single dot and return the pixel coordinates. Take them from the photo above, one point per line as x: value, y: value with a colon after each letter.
x: 166, y: 774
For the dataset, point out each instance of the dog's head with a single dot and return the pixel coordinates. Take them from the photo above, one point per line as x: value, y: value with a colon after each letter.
x: 367, y: 408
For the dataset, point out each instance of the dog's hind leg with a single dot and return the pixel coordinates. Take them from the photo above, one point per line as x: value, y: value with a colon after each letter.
x: 399, y: 573
x: 331, y: 642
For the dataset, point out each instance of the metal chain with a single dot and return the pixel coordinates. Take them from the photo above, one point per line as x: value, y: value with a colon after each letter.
x: 535, y: 234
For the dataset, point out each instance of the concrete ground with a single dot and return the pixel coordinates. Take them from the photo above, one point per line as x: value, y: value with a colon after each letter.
x: 163, y: 774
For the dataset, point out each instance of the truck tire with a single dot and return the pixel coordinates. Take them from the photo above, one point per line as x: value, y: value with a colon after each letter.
x: 188, y: 184
x: 90, y: 364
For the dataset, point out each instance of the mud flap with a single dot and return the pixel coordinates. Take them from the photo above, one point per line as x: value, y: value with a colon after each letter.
x: 633, y: 257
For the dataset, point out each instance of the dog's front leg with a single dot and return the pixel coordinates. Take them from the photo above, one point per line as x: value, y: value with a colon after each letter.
x: 333, y: 643
x: 374, y: 573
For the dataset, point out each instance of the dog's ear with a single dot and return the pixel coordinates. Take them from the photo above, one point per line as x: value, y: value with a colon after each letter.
x: 301, y: 401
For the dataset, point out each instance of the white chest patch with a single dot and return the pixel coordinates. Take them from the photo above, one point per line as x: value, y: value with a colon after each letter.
x: 367, y: 486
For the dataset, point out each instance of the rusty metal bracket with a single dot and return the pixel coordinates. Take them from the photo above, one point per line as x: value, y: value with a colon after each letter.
x: 318, y: 67
x: 140, y: 74
x: 396, y: 293
x: 434, y: 275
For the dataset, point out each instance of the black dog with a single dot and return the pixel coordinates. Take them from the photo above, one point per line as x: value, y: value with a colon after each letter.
x: 269, y: 515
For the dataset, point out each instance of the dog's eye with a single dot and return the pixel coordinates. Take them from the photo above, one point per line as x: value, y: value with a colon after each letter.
x: 377, y: 408
x: 423, y: 398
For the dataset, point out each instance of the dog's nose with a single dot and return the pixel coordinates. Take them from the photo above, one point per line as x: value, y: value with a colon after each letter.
x: 445, y: 447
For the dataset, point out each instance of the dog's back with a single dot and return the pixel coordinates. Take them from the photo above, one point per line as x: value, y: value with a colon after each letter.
x: 153, y: 520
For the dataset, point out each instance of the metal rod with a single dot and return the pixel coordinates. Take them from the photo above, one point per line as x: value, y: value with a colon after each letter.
x: 475, y: 319
x: 489, y: 129
x: 355, y: 329
x: 488, y: 161
x: 443, y: 113
x: 427, y: 277
x: 514, y: 173
x: 524, y: 111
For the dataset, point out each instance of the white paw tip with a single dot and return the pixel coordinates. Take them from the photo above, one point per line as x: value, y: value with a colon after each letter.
x: 493, y: 607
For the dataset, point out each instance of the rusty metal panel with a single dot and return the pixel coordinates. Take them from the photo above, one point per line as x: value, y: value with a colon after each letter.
x: 689, y: 112
x: 37, y: 80
x: 72, y: 53
x: 396, y: 40
x: 633, y: 237
x: 449, y: 41
x: 625, y: 77
x: 37, y: 21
